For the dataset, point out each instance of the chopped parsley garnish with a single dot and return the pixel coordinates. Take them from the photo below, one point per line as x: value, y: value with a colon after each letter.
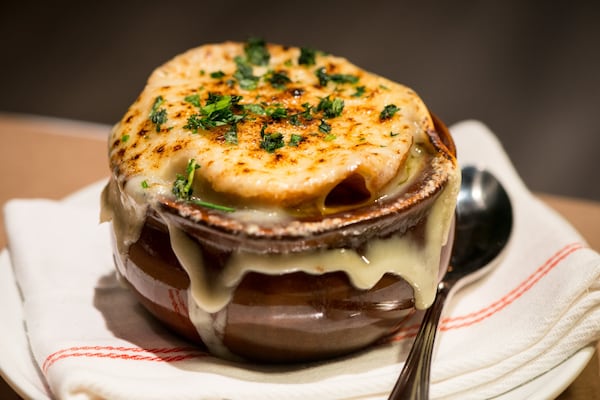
x: 277, y: 113
x: 217, y: 74
x: 244, y: 74
x: 388, y: 112
x: 182, y: 187
x: 271, y: 141
x: 306, y: 113
x: 321, y: 73
x: 231, y: 135
x: 158, y: 116
x: 307, y: 56
x: 295, y: 140
x: 325, y: 78
x: 218, y: 101
x: 193, y: 99
x: 343, y: 78
x: 331, y: 107
x: 256, y: 51
x: 218, y: 111
x: 329, y: 137
x: 145, y: 184
x: 278, y: 79
x: 324, y: 127
x: 392, y: 134
x: 194, y: 123
x: 211, y: 205
x: 255, y: 109
x: 124, y: 138
x: 294, y: 119
x: 360, y: 90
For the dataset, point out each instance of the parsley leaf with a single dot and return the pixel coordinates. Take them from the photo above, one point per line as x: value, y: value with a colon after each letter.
x: 295, y: 140
x: 331, y: 107
x: 245, y: 75
x: 182, y: 187
x: 322, y: 75
x: 360, y: 90
x: 211, y: 205
x: 294, y: 120
x: 194, y: 123
x: 256, y: 51
x: 231, y: 135
x: 158, y: 116
x: 306, y: 115
x: 217, y: 74
x: 193, y: 99
x: 271, y: 141
x: 277, y: 113
x: 343, y: 78
x: 307, y: 56
x: 324, y: 127
x: 388, y: 112
x: 255, y: 109
x: 218, y: 111
x: 278, y: 79
x: 325, y: 78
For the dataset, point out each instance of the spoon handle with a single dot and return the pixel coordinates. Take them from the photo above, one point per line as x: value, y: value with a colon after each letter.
x: 413, y: 383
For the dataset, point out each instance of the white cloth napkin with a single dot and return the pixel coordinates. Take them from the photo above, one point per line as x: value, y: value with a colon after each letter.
x: 91, y: 340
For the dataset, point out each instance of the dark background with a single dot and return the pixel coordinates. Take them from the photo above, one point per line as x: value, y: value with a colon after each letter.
x: 529, y: 70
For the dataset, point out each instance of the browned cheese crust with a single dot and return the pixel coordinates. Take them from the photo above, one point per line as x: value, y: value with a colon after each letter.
x: 279, y: 132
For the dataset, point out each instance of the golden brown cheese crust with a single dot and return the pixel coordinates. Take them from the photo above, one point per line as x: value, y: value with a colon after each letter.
x: 315, y: 148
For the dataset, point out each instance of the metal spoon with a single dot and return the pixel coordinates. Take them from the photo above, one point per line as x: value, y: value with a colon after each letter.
x: 483, y: 226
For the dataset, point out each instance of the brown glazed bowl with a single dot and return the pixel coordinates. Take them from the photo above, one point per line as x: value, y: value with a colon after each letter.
x: 295, y: 316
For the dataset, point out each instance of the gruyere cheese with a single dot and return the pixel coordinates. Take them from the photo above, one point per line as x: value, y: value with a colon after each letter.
x: 295, y: 132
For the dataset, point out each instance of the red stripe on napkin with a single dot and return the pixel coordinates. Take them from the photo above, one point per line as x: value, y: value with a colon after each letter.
x: 486, y: 312
x: 167, y: 354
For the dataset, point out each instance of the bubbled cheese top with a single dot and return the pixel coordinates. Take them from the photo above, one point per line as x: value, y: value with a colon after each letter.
x: 268, y: 125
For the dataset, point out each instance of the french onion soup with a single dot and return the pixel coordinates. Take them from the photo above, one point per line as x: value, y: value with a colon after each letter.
x: 278, y: 203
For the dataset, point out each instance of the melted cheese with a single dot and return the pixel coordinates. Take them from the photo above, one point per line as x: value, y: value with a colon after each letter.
x: 359, y: 142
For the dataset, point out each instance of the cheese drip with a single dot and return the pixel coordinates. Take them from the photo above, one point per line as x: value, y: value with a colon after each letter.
x: 417, y: 263
x: 204, y: 292
x: 401, y: 255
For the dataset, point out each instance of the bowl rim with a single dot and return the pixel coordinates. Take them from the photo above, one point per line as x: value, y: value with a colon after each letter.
x: 299, y: 234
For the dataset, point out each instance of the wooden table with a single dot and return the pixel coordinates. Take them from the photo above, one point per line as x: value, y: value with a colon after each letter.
x: 50, y: 158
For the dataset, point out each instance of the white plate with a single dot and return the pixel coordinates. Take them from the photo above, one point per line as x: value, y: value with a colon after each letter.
x: 19, y: 369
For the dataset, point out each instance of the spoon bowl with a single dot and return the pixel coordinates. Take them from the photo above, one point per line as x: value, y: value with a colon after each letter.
x: 482, y: 230
x: 484, y: 223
